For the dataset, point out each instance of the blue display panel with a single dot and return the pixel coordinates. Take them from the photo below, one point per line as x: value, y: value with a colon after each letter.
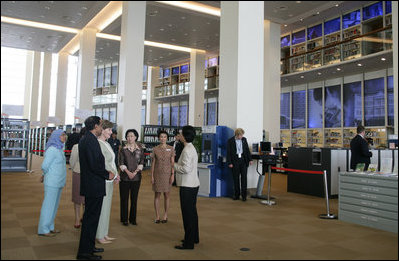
x: 184, y: 69
x: 142, y: 115
x: 374, y: 102
x: 205, y: 114
x: 100, y: 77
x: 332, y: 26
x: 114, y: 75
x: 183, y: 109
x: 159, y: 114
x: 352, y: 93
x: 175, y: 70
x: 213, y: 62
x: 332, y: 106
x: 372, y: 11
x: 107, y: 77
x: 298, y: 109
x: 212, y: 113
x: 166, y: 72
x: 390, y: 100
x: 351, y: 19
x: 298, y: 37
x: 315, y: 31
x: 388, y: 7
x: 175, y: 116
x: 285, y: 41
x: 166, y: 115
x: 285, y: 110
x: 315, y: 108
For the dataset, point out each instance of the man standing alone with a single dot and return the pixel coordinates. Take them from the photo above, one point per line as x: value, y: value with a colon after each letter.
x: 360, y: 149
x: 92, y: 185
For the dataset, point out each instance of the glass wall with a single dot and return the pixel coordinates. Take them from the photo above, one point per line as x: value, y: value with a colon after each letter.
x: 332, y: 106
x: 390, y: 101
x: 315, y: 108
x: 285, y: 115
x: 298, y: 109
x: 352, y: 104
x: 374, y: 102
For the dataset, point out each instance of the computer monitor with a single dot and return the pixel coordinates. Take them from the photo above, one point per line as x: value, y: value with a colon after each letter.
x: 207, y: 145
x: 265, y: 146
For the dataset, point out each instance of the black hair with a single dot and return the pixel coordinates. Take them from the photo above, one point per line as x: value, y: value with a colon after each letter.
x: 188, y: 133
x: 134, y: 132
x: 91, y: 122
x: 360, y: 129
x: 163, y: 131
x: 114, y: 131
x: 82, y: 132
x: 176, y: 131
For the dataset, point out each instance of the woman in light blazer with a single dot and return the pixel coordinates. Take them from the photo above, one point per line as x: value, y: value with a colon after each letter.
x: 109, y: 156
x: 187, y: 180
x: 54, y: 178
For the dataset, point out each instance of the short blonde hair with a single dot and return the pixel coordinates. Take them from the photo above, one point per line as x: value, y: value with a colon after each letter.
x: 239, y: 132
x: 105, y: 124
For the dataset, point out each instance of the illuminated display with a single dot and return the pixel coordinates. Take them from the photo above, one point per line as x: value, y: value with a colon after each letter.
x: 315, y: 31
x: 298, y: 37
x: 285, y: 111
x: 372, y: 11
x: 332, y: 106
x: 315, y: 109
x: 175, y: 116
x: 184, y: 69
x: 183, y: 115
x: 332, y: 26
x: 298, y: 109
x: 374, y: 102
x: 390, y: 100
x: 351, y: 19
x: 285, y: 41
x: 212, y: 113
x: 352, y: 93
x: 175, y: 70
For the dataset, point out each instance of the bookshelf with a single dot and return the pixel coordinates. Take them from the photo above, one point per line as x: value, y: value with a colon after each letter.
x: 285, y: 138
x: 298, y: 138
x: 315, y: 138
x: 333, y: 138
x: 348, y: 135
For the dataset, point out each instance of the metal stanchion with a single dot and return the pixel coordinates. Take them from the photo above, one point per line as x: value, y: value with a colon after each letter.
x: 30, y: 164
x: 268, y: 201
x: 328, y: 215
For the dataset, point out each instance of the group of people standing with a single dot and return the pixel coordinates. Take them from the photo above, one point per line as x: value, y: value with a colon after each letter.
x: 95, y: 160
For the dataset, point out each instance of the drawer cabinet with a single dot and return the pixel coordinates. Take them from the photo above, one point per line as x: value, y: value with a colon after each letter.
x: 369, y: 199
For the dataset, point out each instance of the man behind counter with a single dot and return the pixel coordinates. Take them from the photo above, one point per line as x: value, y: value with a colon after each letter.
x: 360, y: 149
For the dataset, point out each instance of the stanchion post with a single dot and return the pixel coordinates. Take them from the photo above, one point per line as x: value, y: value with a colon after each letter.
x: 30, y: 163
x: 328, y: 215
x: 268, y: 201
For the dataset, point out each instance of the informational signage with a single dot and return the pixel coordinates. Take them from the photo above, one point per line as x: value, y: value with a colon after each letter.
x: 82, y: 114
x: 12, y: 110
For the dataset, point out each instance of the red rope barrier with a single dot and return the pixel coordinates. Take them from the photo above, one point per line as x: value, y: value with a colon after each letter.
x: 299, y: 170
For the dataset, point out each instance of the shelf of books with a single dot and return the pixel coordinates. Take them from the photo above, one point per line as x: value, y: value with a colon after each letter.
x: 333, y: 138
x: 298, y: 138
x: 285, y: 138
x: 315, y: 138
x: 348, y: 135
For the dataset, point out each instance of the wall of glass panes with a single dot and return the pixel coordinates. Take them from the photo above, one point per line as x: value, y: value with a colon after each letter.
x: 173, y: 113
x: 326, y: 113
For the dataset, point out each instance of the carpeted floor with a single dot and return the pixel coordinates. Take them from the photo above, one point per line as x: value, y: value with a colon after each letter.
x: 290, y: 229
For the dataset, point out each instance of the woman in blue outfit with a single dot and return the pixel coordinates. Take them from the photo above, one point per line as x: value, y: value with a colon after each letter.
x: 54, y: 177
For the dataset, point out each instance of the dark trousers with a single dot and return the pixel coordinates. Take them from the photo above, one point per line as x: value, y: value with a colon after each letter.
x: 126, y: 187
x: 188, y: 205
x: 91, y: 217
x: 240, y: 168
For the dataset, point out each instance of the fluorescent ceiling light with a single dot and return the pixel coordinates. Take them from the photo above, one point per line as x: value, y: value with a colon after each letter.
x: 10, y: 20
x: 194, y: 7
x: 108, y: 36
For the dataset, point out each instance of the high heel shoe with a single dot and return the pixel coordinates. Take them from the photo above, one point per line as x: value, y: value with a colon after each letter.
x: 164, y: 221
x: 157, y: 221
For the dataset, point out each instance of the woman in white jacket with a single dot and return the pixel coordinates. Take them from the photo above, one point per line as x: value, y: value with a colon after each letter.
x: 188, y: 181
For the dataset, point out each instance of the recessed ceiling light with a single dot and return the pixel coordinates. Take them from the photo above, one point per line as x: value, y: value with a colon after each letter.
x: 338, y: 69
x: 47, y: 7
x: 84, y: 7
x: 170, y: 25
x: 173, y: 39
x: 150, y: 35
x: 160, y: 57
x: 319, y: 73
x: 290, y: 15
x: 298, y: 2
x: 161, y: 29
x: 302, y: 76
x: 194, y: 30
x: 359, y: 64
x: 286, y: 80
x: 183, y: 17
x: 318, y: 13
x: 337, y: 5
x: 150, y: 51
x: 301, y: 19
x: 383, y: 59
x: 185, y: 34
x: 285, y: 25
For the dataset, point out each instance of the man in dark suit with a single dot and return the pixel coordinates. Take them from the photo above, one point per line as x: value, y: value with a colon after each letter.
x: 238, y: 159
x: 178, y: 147
x: 92, y: 186
x: 359, y: 149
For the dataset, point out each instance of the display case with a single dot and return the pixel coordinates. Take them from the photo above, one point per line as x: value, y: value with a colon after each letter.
x: 351, y: 49
x: 333, y: 54
x: 285, y: 138
x: 348, y: 135
x: 315, y: 138
x: 379, y: 136
x: 333, y: 138
x: 298, y: 138
x: 14, y: 144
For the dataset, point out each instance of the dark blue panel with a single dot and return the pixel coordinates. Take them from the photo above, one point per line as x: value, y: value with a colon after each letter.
x: 388, y: 7
x: 390, y: 100
x: 114, y: 75
x: 372, y: 11
x: 351, y: 19
x: 212, y: 113
x: 166, y: 72
x: 298, y: 37
x: 315, y: 31
x: 175, y: 116
x: 285, y: 111
x: 315, y: 108
x: 184, y: 68
x: 352, y: 104
x: 183, y: 115
x: 285, y: 41
x: 374, y: 102
x: 332, y: 26
x: 175, y: 70
x: 332, y: 106
x: 298, y: 109
x: 100, y: 77
x: 166, y: 116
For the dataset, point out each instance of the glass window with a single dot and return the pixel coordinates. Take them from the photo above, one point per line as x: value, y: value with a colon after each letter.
x: 315, y: 109
x: 166, y: 114
x: 298, y: 109
x: 212, y: 113
x: 100, y: 77
x: 105, y: 114
x: 388, y: 7
x: 143, y: 115
x: 145, y: 70
x: 107, y: 76
x: 205, y: 115
x: 175, y: 116
x: 95, y: 78
x: 183, y: 110
x: 160, y: 114
x: 175, y: 70
x: 332, y: 26
x: 352, y: 104
x: 112, y: 115
x: 114, y: 75
x: 332, y: 106
x: 351, y: 19
x: 315, y: 31
x: 390, y: 100
x: 285, y: 111
x: 285, y: 41
x: 298, y: 37
x: 372, y: 11
x: 374, y: 102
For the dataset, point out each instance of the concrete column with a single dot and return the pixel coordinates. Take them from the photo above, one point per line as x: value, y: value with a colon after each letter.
x: 28, y: 84
x: 241, y: 67
x: 46, y: 81
x: 395, y: 61
x: 196, y: 96
x: 131, y: 66
x: 152, y: 104
x: 272, y: 88
x: 62, y: 80
x: 84, y: 93
x: 34, y: 101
